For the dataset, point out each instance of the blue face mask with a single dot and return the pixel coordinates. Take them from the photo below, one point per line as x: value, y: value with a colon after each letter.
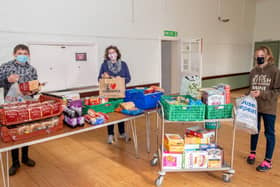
x: 22, y: 58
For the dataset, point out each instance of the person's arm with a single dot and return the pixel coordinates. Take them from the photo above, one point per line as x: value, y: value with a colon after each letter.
x: 34, y: 76
x: 3, y: 76
x: 101, y: 71
x: 250, y: 84
x: 275, y: 91
x: 126, y: 74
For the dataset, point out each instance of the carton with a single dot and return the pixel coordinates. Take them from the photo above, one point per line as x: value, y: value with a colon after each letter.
x: 172, y: 161
x: 173, y: 139
x: 200, y: 132
x: 195, y: 159
x: 196, y: 140
x: 215, y: 158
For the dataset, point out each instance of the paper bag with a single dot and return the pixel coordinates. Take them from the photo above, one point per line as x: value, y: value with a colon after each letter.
x: 112, y: 87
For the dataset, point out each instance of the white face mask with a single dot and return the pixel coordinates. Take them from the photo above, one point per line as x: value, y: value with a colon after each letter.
x: 113, y: 56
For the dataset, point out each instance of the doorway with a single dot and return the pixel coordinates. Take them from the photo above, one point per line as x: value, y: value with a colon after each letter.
x: 170, y: 66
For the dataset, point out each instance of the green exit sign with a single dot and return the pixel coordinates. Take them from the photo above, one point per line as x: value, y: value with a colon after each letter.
x: 171, y: 33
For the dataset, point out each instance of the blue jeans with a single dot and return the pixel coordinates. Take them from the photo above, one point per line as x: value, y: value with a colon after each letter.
x: 269, y: 124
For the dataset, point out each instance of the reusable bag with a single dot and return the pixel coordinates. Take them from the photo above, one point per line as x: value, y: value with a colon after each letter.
x: 247, y: 115
x: 112, y: 87
x: 190, y: 85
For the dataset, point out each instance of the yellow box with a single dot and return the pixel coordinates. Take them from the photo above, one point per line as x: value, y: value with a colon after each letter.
x: 174, y: 148
x: 173, y: 139
x: 196, y: 140
x: 214, y: 163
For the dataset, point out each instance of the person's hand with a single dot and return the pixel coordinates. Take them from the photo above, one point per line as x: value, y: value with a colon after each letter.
x: 255, y: 93
x: 105, y: 75
x: 13, y: 78
x: 30, y: 93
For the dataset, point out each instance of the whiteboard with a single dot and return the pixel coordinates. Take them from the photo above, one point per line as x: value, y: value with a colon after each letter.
x: 57, y: 65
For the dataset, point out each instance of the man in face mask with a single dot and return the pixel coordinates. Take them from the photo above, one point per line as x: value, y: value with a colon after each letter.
x: 18, y: 70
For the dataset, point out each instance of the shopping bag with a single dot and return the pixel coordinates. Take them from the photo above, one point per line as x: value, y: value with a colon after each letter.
x: 14, y: 95
x: 112, y: 87
x: 190, y: 85
x: 247, y: 115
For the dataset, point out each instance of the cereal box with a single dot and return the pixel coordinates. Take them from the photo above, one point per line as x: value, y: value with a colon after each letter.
x: 215, y: 158
x: 173, y: 139
x: 172, y: 161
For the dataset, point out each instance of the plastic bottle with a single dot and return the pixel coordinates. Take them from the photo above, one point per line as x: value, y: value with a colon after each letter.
x: 227, y: 91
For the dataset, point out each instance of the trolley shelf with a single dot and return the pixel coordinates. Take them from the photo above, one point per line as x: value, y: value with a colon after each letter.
x: 157, y: 157
x: 225, y: 167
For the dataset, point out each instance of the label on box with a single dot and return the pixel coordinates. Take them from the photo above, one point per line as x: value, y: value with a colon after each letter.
x: 196, y: 140
x: 207, y: 146
x: 46, y: 110
x: 11, y: 116
x: 23, y: 115
x: 172, y: 161
x: 196, y: 159
x: 192, y: 147
x: 35, y: 113
x: 56, y: 108
x: 174, y: 148
x: 173, y: 139
x: 216, y: 100
x: 199, y: 132
x: 215, y: 158
x: 214, y: 163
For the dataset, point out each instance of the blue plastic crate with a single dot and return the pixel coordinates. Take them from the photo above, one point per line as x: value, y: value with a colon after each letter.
x: 141, y: 100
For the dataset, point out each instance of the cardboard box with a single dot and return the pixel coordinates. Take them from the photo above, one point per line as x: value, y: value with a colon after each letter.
x: 30, y: 86
x: 174, y: 148
x: 196, y: 140
x: 195, y: 159
x: 215, y: 158
x: 211, y: 96
x: 200, y: 159
x: 207, y: 146
x: 187, y: 160
x: 199, y: 132
x: 191, y: 147
x: 172, y: 161
x: 173, y: 139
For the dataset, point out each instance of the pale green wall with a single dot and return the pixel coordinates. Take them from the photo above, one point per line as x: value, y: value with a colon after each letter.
x: 235, y: 82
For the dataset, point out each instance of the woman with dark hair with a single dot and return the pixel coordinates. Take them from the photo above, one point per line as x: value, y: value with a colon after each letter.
x: 113, y: 66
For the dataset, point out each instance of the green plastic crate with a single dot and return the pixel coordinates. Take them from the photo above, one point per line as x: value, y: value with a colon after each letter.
x: 182, y: 112
x: 219, y: 111
x: 105, y: 108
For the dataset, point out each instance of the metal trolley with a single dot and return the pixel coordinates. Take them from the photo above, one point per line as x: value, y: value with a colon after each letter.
x: 157, y: 157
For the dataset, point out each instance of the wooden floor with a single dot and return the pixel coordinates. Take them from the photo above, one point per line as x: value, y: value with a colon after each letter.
x: 86, y: 160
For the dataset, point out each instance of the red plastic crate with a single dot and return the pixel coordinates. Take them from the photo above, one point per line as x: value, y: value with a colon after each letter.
x: 10, y: 134
x: 57, y: 110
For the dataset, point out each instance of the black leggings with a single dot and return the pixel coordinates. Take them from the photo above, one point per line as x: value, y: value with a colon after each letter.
x: 15, y: 153
x: 110, y: 128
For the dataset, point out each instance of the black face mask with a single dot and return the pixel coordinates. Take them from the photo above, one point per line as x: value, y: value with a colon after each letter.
x: 260, y: 60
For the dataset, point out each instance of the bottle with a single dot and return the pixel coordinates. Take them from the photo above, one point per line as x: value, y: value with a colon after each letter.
x: 227, y: 90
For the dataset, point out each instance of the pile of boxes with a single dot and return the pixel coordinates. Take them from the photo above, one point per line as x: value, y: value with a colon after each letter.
x: 195, y: 151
